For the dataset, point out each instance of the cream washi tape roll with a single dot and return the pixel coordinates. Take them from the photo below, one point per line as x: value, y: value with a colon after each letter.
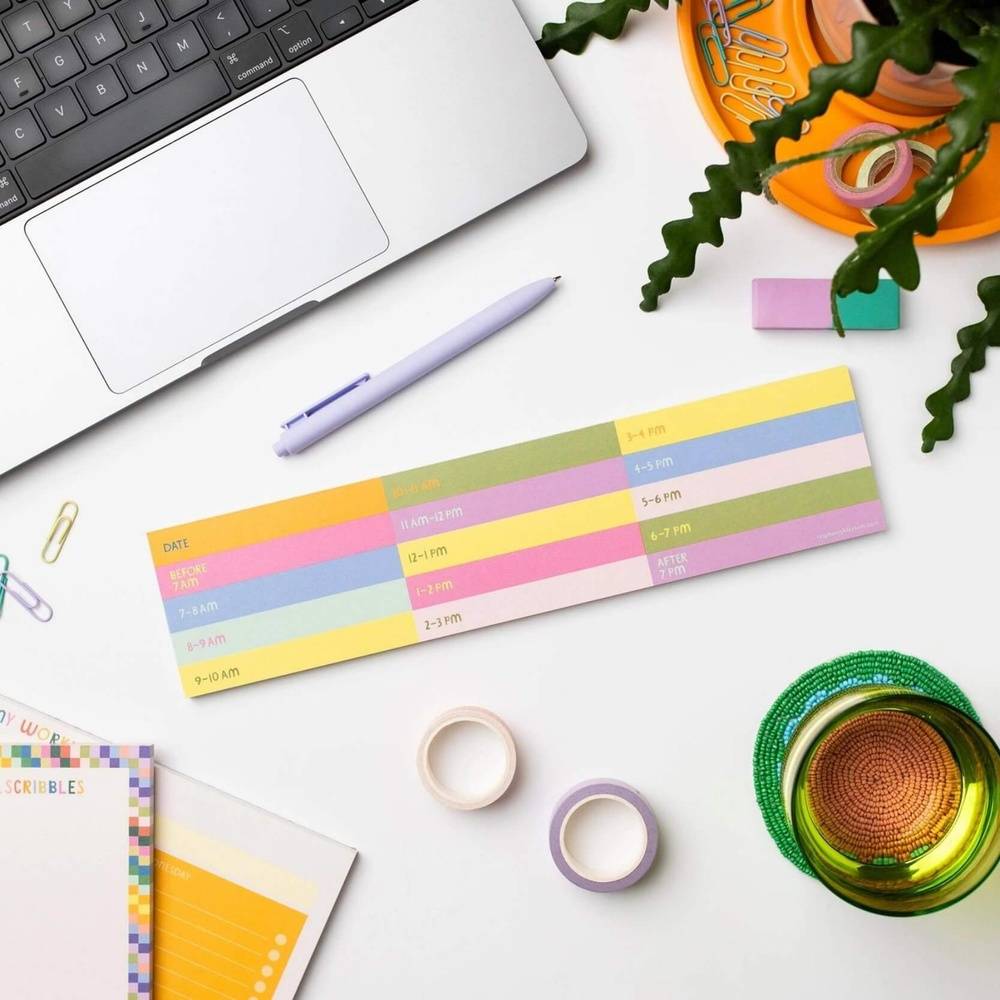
x: 572, y: 804
x: 454, y: 717
x: 924, y: 158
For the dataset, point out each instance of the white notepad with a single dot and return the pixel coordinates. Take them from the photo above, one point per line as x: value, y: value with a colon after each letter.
x: 76, y: 857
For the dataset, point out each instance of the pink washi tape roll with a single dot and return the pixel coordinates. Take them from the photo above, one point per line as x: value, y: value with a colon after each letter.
x: 890, y: 184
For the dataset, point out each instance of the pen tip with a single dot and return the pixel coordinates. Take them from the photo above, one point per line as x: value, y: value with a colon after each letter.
x: 557, y: 277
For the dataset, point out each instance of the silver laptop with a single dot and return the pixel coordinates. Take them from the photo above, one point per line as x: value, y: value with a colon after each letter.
x: 178, y: 177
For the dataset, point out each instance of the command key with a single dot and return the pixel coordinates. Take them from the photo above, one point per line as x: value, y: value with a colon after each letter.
x: 11, y: 199
x: 247, y: 61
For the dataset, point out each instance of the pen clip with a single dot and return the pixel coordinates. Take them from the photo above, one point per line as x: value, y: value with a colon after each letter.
x: 316, y: 407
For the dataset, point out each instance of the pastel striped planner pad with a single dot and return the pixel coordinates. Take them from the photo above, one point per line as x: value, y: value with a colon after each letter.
x: 513, y: 532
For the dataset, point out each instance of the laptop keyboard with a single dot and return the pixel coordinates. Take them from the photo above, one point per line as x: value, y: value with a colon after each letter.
x: 84, y: 83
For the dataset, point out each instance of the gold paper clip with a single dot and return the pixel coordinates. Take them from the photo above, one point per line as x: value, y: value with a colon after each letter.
x: 766, y: 86
x: 61, y: 528
x: 4, y: 566
x: 758, y: 113
x: 762, y: 62
x: 739, y: 9
x: 760, y: 105
x: 32, y: 602
x: 714, y: 52
x: 759, y: 41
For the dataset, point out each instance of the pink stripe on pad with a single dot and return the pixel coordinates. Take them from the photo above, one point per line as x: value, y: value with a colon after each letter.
x: 276, y: 555
x: 526, y: 566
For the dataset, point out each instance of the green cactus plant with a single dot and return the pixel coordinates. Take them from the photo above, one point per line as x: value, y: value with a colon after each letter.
x: 970, y: 25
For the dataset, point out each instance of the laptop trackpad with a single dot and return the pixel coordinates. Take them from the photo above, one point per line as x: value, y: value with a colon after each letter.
x: 206, y: 236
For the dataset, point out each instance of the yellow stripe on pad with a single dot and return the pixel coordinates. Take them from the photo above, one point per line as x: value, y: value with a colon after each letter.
x: 734, y: 409
x: 512, y: 534
x: 295, y: 655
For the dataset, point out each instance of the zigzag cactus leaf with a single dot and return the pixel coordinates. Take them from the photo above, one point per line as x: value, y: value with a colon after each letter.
x: 890, y: 244
x: 909, y: 44
x: 584, y: 20
x: 973, y: 341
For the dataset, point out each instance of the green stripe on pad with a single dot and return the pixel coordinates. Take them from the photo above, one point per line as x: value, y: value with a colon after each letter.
x: 759, y: 510
x: 502, y: 465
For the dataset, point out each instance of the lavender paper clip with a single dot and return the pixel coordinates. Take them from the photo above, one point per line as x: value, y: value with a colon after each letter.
x: 716, y: 11
x: 30, y: 600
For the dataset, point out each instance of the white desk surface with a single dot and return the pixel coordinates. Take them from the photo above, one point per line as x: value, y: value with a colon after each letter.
x: 663, y: 689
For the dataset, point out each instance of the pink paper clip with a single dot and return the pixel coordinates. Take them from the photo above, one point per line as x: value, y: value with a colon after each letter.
x: 716, y: 11
x: 30, y: 600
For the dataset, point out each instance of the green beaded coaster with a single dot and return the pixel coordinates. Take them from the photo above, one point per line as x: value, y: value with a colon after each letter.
x: 813, y: 688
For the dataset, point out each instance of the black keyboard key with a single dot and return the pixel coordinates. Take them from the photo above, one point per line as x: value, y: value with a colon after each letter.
x: 296, y: 36
x: 27, y: 27
x: 250, y: 60
x: 135, y: 122
x: 103, y: 4
x: 5, y: 52
x: 19, y: 83
x: 100, y: 39
x: 142, y: 68
x: 375, y: 7
x: 59, y: 61
x: 6, y: 5
x: 66, y: 13
x: 20, y: 134
x: 140, y: 18
x: 183, y: 46
x: 224, y: 24
x: 181, y: 8
x: 60, y: 112
x: 340, y: 24
x: 262, y: 11
x: 101, y: 90
x: 11, y: 199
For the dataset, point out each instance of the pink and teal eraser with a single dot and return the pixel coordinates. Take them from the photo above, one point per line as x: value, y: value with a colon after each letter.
x: 804, y: 304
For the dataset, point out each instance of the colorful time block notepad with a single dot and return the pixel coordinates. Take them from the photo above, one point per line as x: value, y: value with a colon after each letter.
x: 505, y: 534
x: 76, y: 856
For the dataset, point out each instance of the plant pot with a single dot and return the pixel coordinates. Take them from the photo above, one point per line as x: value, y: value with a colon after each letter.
x: 836, y: 18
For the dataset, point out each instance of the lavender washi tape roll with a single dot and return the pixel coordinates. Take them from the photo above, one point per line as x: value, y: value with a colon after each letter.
x: 577, y: 799
x: 871, y: 195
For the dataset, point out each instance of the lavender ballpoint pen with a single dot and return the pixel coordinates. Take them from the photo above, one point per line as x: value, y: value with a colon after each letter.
x: 363, y: 393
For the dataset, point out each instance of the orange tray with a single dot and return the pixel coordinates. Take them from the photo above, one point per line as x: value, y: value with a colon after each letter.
x: 975, y: 210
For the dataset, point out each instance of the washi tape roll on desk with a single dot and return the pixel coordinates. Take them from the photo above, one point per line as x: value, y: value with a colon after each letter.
x: 773, y: 44
x: 576, y: 800
x: 451, y: 797
x: 873, y: 774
